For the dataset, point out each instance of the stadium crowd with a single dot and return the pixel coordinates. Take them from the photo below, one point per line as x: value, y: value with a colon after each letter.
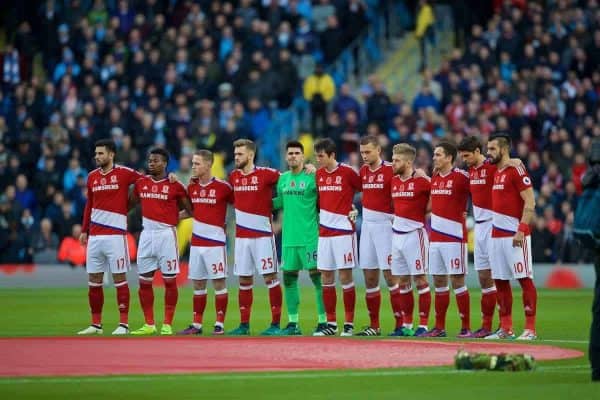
x: 186, y: 74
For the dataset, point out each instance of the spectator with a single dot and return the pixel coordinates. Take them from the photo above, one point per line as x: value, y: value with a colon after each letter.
x: 319, y: 90
x: 44, y: 243
x: 425, y: 29
x: 71, y: 251
x: 542, y: 242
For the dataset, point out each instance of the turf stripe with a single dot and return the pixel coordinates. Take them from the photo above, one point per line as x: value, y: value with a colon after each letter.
x: 572, y: 369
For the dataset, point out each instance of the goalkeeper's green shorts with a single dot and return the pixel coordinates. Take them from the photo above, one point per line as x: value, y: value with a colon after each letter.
x: 298, y: 258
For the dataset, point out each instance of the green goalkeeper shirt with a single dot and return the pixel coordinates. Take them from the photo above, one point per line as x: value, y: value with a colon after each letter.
x: 297, y: 196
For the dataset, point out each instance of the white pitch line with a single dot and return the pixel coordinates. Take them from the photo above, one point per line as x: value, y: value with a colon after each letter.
x: 563, y: 341
x: 572, y: 369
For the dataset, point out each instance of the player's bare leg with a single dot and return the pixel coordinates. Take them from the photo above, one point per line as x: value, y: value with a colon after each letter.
x: 96, y: 302
x: 424, y: 293
x: 245, y: 298
x: 442, y: 300
x: 276, y: 301
x: 198, y: 307
x: 146, y: 295
x: 373, y: 301
x: 349, y: 293
x: 463, y: 303
x: 488, y: 303
x: 330, y: 302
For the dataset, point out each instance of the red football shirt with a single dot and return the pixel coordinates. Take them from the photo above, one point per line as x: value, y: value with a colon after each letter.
x: 449, y: 196
x: 336, y: 192
x: 253, y: 201
x: 160, y: 201
x: 108, y: 200
x: 410, y: 202
x: 376, y: 198
x: 481, y: 180
x: 507, y: 203
x: 209, y: 202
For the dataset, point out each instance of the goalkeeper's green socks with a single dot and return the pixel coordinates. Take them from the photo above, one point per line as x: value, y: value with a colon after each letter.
x: 292, y: 296
x: 316, y: 280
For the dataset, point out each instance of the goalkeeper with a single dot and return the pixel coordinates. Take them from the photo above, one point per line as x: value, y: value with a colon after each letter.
x: 297, y: 197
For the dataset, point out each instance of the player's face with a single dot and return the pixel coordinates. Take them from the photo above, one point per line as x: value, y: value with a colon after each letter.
x: 157, y: 165
x: 440, y: 159
x: 494, y: 152
x: 294, y: 157
x: 324, y: 160
x: 103, y: 157
x: 399, y: 164
x: 241, y: 156
x: 469, y: 158
x: 200, y: 166
x: 370, y: 154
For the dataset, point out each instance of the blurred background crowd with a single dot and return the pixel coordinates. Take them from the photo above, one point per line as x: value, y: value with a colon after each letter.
x: 188, y: 74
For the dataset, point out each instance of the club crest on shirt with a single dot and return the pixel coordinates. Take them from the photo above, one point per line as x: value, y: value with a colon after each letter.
x: 113, y: 179
x: 411, y: 186
x: 483, y: 173
x: 302, y: 185
x: 449, y: 184
x: 212, y: 193
x: 338, y: 180
x: 254, y: 180
x: 380, y: 178
x: 165, y: 189
x: 293, y: 184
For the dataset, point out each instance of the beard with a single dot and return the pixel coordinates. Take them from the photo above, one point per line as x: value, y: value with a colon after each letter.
x: 241, y: 164
x: 102, y: 164
x: 496, y: 160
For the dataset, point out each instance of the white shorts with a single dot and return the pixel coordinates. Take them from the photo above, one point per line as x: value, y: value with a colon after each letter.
x: 510, y: 262
x: 410, y: 253
x: 375, y: 246
x: 448, y: 258
x: 207, y: 262
x: 107, y: 253
x: 158, y: 250
x: 253, y: 254
x: 483, y: 245
x: 336, y: 252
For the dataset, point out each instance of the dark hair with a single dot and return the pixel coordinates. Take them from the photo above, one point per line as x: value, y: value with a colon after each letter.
x: 160, y: 152
x: 369, y: 139
x: 110, y: 145
x: 206, y: 155
x: 503, y: 140
x: 470, y: 143
x: 325, y: 145
x: 449, y: 148
x: 294, y: 143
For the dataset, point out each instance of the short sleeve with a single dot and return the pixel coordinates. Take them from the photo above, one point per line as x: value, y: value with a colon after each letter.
x: 521, y: 179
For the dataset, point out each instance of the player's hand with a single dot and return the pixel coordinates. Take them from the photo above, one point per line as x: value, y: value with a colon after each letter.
x: 420, y: 173
x: 518, y: 239
x: 83, y: 238
x: 310, y: 168
x: 353, y: 214
x: 172, y: 177
x: 515, y: 162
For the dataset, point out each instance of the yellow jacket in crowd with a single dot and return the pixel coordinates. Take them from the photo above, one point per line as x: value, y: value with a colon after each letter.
x: 425, y: 19
x: 319, y: 84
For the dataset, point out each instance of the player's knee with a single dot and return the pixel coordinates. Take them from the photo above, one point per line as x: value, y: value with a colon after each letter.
x: 219, y: 284
x: 96, y: 277
x: 290, y: 279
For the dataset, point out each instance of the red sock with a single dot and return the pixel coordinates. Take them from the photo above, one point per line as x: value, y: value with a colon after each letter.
x: 245, y: 300
x: 407, y: 302
x: 123, y: 301
x: 396, y: 303
x: 146, y: 295
x: 96, y: 301
x: 488, y: 304
x: 329, y: 301
x: 463, y: 301
x: 199, y: 305
x: 424, y: 304
x: 276, y: 299
x: 221, y: 299
x: 171, y: 296
x: 373, y: 300
x: 442, y: 300
x: 529, y: 302
x: 349, y: 302
x: 504, y: 297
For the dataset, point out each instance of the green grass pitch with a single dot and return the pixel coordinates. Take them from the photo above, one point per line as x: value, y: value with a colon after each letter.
x: 563, y: 320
